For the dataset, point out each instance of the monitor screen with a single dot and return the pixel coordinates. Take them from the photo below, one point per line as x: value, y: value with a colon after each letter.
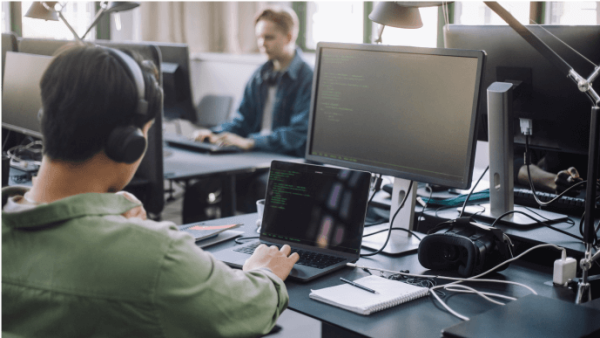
x: 560, y: 113
x: 21, y: 97
x: 407, y: 112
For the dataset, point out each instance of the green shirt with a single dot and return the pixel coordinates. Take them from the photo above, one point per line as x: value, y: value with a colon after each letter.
x: 77, y: 268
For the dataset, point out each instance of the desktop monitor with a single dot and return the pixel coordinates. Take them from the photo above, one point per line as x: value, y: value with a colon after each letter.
x: 179, y: 102
x: 21, y: 97
x: 406, y: 112
x: 560, y: 113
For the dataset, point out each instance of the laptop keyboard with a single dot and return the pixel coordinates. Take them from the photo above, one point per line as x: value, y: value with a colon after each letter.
x: 307, y: 258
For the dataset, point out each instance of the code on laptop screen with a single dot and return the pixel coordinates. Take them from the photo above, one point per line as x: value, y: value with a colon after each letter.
x: 317, y: 206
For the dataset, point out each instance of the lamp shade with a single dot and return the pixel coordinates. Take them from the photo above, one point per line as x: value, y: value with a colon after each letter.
x: 39, y: 11
x: 391, y: 14
x: 120, y: 6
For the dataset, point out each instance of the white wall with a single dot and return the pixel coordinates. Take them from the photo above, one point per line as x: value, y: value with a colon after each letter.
x: 225, y: 74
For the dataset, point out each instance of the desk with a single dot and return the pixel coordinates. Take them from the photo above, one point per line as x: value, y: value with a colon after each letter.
x: 529, y: 234
x: 184, y: 165
x: 419, y: 318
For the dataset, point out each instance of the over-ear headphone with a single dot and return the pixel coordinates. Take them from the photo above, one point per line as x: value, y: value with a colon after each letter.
x: 127, y: 144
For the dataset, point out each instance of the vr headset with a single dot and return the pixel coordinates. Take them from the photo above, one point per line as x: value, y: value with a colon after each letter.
x: 470, y: 249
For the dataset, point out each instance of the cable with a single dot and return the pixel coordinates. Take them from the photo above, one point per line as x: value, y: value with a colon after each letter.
x: 471, y: 192
x: 532, y: 187
x: 391, y: 222
x: 238, y: 239
x: 564, y: 43
x: 537, y: 220
x: 425, y: 206
x: 376, y: 188
x: 470, y: 279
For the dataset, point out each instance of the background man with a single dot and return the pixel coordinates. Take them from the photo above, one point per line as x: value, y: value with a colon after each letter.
x: 80, y: 260
x: 273, y: 113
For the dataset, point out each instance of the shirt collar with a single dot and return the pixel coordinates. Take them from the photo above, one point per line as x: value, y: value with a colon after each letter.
x: 90, y: 204
x: 292, y: 70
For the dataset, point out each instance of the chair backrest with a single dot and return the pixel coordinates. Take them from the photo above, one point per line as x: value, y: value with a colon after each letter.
x: 213, y: 110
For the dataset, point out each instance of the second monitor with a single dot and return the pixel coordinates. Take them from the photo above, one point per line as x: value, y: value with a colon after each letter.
x: 407, y: 112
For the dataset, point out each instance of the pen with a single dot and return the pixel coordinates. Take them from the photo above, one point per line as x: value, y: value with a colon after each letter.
x: 357, y: 285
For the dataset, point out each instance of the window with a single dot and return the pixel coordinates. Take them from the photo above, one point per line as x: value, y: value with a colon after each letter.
x: 477, y: 13
x: 334, y: 22
x: 5, y: 17
x: 80, y: 16
x: 573, y: 13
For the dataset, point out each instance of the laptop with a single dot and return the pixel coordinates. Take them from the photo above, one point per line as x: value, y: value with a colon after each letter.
x: 318, y: 211
x: 176, y: 140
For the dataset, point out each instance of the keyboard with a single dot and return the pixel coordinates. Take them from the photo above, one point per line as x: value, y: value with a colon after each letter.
x: 307, y: 258
x: 564, y: 205
x: 184, y: 142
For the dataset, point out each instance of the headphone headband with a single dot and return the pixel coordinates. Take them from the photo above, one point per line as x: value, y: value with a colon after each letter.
x: 138, y: 78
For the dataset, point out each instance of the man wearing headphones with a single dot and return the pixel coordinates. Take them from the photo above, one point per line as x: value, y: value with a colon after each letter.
x: 80, y: 259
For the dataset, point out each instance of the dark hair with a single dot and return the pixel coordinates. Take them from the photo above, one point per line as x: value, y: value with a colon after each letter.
x: 285, y: 18
x: 86, y: 93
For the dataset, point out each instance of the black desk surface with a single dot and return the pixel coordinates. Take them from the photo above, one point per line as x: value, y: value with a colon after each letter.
x: 185, y: 164
x: 419, y: 318
x: 531, y: 234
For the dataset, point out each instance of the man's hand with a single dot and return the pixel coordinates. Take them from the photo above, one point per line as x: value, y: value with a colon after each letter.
x: 566, y: 178
x: 138, y: 212
x: 280, y: 262
x: 202, y: 134
x: 229, y: 139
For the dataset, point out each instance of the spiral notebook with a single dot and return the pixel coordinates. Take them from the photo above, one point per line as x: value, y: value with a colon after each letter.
x: 389, y: 293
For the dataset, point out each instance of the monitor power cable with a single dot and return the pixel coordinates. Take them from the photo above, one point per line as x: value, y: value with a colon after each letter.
x: 410, y: 186
x: 527, y: 158
x: 472, y: 190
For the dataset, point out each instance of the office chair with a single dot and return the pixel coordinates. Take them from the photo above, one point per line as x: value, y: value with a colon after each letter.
x: 213, y: 110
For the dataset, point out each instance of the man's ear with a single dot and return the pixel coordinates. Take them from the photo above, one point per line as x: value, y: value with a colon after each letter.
x: 289, y: 37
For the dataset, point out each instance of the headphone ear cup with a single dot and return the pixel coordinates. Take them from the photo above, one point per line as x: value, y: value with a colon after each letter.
x: 125, y: 144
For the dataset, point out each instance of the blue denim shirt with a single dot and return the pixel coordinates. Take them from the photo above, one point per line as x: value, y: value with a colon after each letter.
x: 290, y: 109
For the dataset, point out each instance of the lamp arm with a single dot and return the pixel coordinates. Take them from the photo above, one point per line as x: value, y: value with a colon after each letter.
x: 533, y: 40
x: 51, y: 8
x: 98, y: 16
x: 69, y: 26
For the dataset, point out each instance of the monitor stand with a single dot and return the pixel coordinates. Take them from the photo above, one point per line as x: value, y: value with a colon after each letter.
x: 400, y: 242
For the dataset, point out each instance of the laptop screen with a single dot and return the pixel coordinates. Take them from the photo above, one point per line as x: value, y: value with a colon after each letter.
x: 314, y: 205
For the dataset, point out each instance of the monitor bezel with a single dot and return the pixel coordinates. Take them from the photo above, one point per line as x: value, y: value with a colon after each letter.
x: 465, y: 181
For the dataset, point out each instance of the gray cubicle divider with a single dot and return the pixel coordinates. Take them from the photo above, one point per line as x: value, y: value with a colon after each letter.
x: 151, y: 168
x: 9, y: 44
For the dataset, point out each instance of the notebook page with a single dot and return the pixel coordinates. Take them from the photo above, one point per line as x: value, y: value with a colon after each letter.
x: 389, y: 293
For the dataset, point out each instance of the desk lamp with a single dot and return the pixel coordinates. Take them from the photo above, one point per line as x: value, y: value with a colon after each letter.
x: 585, y: 86
x: 45, y: 10
x: 400, y: 14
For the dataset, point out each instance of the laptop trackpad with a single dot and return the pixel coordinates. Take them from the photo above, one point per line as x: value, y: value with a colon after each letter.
x: 299, y: 272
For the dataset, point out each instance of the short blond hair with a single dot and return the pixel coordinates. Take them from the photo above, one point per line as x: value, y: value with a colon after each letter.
x: 285, y: 18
